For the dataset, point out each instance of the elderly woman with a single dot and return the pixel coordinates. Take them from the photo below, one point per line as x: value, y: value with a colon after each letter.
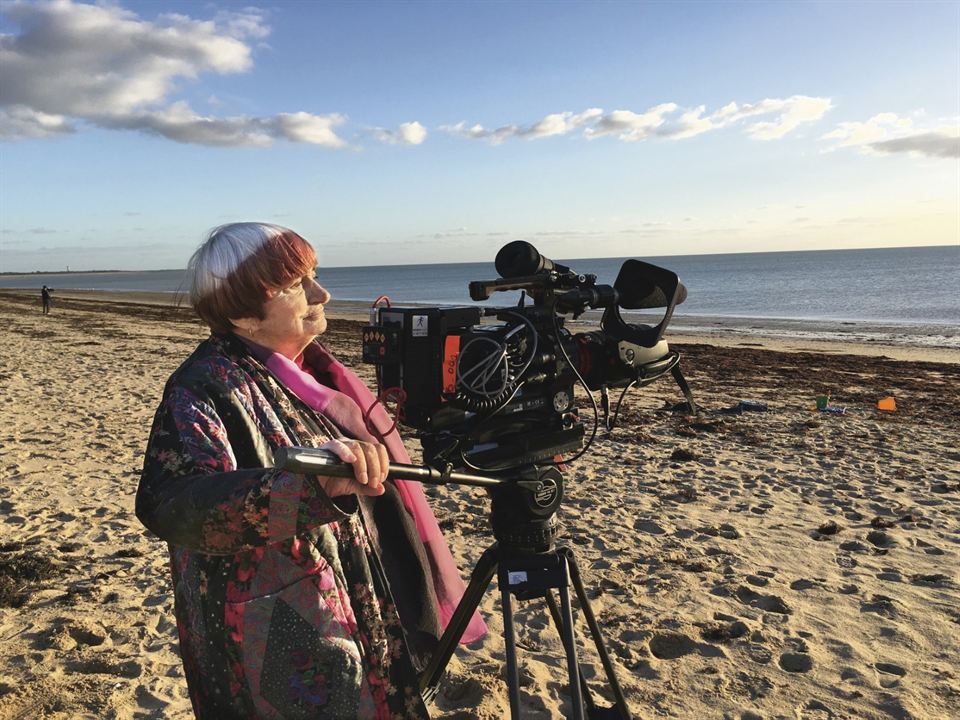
x: 296, y: 596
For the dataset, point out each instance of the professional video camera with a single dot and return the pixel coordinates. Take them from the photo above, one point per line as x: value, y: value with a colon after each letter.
x: 492, y: 390
x: 493, y: 396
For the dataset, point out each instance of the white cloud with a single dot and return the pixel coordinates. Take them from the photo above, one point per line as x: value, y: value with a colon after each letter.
x: 306, y: 128
x: 888, y: 133
x: 688, y: 125
x: 666, y: 120
x: 104, y: 65
x: 90, y: 60
x: 943, y: 144
x: 630, y: 126
x: 790, y: 113
x: 551, y: 125
x: 879, y: 127
x: 478, y: 132
x: 409, y: 133
x: 559, y: 123
x: 19, y: 122
x: 179, y: 123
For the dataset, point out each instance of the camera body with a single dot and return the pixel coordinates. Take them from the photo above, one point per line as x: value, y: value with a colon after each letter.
x: 462, y: 376
x: 490, y: 388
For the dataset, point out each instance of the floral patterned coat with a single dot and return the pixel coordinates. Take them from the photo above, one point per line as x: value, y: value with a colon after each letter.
x: 282, y: 607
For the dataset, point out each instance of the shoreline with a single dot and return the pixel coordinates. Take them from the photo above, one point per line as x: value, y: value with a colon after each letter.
x: 757, y: 333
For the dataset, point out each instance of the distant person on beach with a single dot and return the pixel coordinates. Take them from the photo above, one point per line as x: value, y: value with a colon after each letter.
x: 295, y: 595
x: 45, y: 298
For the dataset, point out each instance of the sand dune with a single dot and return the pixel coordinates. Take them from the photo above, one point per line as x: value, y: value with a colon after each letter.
x: 786, y: 563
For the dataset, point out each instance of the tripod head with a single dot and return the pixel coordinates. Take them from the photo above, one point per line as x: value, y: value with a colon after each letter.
x: 523, y: 517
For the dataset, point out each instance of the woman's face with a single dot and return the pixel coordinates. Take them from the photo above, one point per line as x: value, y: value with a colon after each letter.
x: 293, y: 316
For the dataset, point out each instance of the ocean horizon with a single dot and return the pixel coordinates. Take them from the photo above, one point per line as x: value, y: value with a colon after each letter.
x: 901, y: 295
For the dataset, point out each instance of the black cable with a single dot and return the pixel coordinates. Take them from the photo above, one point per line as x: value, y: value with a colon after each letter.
x: 593, y: 400
x: 502, y: 399
x: 616, y: 412
x: 593, y: 403
x: 646, y: 381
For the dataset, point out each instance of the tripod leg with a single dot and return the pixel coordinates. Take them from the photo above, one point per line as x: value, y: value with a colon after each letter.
x: 570, y: 644
x: 479, y: 582
x: 558, y: 622
x: 510, y: 644
x: 684, y: 387
x: 621, y: 701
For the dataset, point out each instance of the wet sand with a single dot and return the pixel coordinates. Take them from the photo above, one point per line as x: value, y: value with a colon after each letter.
x: 787, y: 563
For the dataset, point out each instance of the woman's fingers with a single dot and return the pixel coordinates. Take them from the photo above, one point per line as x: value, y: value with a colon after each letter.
x: 384, y: 461
x: 376, y: 463
x: 340, y: 449
x: 370, y: 463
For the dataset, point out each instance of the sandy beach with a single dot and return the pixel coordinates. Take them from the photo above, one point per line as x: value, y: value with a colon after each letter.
x: 785, y: 563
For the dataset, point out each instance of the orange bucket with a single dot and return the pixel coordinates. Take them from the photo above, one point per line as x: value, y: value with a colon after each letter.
x: 887, y: 403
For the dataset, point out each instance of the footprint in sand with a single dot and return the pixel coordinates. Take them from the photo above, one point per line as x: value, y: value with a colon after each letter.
x: 754, y: 687
x: 673, y: 645
x: 934, y: 580
x: 670, y: 646
x: 854, y: 546
x: 845, y: 561
x: 814, y: 710
x: 726, y: 530
x: 102, y: 666
x: 723, y: 631
x: 881, y: 539
x: 759, y: 653
x: 925, y: 546
x: 888, y: 674
x: 767, y: 603
x: 648, y: 526
x: 826, y: 530
x: 463, y: 691
x: 890, y: 575
x: 880, y: 604
x: 851, y: 675
x: 796, y: 662
x: 90, y: 634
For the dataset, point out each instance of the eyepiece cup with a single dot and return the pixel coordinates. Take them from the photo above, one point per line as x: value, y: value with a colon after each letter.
x: 520, y: 258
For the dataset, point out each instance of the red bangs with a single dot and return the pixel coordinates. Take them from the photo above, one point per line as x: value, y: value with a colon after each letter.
x: 282, y: 259
x: 278, y: 262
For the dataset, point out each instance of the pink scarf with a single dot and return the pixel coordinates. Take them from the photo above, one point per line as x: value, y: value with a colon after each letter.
x: 342, y: 404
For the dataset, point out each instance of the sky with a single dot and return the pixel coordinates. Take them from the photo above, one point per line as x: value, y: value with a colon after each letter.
x: 431, y: 132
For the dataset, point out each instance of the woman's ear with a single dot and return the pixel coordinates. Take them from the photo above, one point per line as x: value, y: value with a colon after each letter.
x: 246, y: 326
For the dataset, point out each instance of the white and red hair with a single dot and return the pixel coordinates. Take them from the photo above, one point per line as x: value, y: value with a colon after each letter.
x: 238, y: 263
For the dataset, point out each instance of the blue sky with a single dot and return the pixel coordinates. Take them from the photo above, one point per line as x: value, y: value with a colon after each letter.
x: 435, y: 132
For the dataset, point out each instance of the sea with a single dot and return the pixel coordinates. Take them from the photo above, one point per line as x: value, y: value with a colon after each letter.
x: 889, y: 295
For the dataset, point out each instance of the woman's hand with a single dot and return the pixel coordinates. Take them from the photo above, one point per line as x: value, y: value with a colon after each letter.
x: 370, y: 466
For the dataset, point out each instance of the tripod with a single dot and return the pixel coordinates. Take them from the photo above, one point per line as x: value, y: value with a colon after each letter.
x: 527, y: 562
x: 529, y: 565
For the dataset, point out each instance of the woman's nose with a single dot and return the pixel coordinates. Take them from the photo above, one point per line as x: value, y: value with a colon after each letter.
x: 316, y: 293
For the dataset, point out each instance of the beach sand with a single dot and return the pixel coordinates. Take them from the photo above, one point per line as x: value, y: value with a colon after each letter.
x: 778, y: 564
